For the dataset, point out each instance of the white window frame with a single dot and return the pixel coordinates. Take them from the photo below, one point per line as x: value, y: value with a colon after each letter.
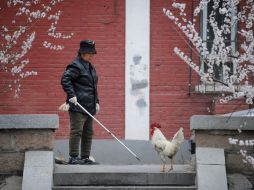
x: 216, y: 87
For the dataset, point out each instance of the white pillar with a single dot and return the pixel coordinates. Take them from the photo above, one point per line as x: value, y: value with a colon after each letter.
x: 137, y: 62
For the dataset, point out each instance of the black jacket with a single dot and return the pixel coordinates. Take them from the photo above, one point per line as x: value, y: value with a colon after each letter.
x: 80, y: 80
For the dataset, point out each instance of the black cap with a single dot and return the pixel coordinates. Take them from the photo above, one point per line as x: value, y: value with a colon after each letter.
x: 87, y: 46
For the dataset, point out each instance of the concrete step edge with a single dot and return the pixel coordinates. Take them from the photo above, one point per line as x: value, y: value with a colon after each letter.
x: 125, y: 179
x: 124, y: 187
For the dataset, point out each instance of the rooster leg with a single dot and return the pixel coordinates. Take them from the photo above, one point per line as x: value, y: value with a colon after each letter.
x: 171, y: 165
x: 163, y: 167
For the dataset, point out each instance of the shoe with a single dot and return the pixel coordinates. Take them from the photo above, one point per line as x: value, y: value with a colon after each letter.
x: 75, y: 161
x: 60, y: 160
x: 87, y: 161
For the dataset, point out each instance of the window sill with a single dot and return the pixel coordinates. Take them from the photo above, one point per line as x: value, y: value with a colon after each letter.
x: 212, y: 88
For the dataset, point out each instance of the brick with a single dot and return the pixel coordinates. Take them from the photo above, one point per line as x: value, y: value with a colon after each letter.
x: 11, y: 162
x: 235, y: 164
x: 34, y: 140
x: 7, y: 142
x: 220, y: 139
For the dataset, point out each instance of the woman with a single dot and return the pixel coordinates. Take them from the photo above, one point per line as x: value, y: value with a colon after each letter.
x: 79, y: 81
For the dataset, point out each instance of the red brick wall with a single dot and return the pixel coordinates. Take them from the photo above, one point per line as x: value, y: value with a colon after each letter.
x: 101, y: 20
x: 104, y: 21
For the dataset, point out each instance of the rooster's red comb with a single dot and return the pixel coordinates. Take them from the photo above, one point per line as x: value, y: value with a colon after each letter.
x: 157, y: 125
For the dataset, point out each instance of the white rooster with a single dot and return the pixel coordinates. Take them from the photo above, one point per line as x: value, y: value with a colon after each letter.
x: 164, y: 147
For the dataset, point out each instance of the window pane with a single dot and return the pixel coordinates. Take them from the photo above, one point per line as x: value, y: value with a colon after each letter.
x: 208, y: 35
x: 220, y: 19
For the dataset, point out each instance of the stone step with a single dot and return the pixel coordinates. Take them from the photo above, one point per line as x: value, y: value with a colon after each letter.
x: 124, y: 187
x: 122, y: 175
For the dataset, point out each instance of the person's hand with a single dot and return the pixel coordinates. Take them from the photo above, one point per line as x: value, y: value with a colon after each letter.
x: 97, y: 108
x: 74, y: 100
x: 64, y: 107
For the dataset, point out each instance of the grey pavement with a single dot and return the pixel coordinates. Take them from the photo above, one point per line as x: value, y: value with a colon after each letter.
x: 110, y: 152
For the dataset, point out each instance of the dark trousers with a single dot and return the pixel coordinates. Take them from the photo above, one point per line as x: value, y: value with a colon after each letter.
x: 81, y: 129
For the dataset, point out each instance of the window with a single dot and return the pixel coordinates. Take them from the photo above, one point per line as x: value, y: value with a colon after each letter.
x: 207, y: 34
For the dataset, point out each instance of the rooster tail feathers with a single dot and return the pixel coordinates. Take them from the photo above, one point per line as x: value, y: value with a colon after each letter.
x: 178, y: 137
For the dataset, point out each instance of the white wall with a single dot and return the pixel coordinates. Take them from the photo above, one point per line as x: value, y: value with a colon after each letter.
x: 137, y: 61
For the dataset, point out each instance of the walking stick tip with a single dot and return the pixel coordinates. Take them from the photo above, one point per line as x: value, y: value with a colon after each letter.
x: 138, y: 159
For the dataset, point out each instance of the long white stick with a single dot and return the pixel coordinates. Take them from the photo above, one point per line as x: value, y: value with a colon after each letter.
x: 108, y: 131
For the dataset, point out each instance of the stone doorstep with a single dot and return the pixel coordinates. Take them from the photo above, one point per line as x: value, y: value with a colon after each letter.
x: 211, y: 177
x: 125, y: 187
x: 73, y: 175
x: 29, y: 121
x: 19, y: 140
x: 220, y: 122
x: 210, y: 156
x: 211, y: 169
x: 38, y: 170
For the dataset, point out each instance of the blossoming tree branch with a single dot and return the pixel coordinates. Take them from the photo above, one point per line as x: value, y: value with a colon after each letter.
x: 224, y: 44
x: 18, y: 35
